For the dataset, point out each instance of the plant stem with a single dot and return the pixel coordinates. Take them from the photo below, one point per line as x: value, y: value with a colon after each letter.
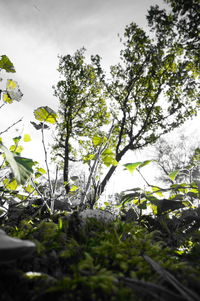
x: 11, y: 126
x: 47, y: 166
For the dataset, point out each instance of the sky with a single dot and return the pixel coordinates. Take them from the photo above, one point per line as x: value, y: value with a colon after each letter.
x: 34, y: 32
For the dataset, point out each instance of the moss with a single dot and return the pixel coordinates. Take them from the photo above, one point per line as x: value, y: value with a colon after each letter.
x: 89, y: 261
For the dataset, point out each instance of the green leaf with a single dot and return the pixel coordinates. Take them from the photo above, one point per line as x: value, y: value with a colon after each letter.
x: 45, y: 114
x: 108, y: 151
x: 97, y: 140
x: 12, y: 185
x: 13, y: 90
x: 25, y: 168
x: 173, y: 174
x: 6, y: 64
x: 17, y: 139
x: 106, y: 203
x: 109, y: 160
x: 60, y: 223
x: 27, y: 138
x: 144, y: 163
x: 73, y: 188
x: 132, y: 166
x: 154, y: 208
x: 21, y: 167
x: 6, y: 98
x: 41, y: 170
x: 29, y: 188
x: 89, y: 157
x: 16, y: 149
x: 157, y: 190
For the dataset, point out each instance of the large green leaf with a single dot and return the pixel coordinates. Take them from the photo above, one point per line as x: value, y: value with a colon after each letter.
x: 144, y: 163
x: 21, y: 167
x: 45, y: 114
x: 6, y: 64
x: 132, y: 166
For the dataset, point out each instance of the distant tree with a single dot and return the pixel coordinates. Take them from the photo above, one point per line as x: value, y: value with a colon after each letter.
x: 181, y: 155
x: 150, y: 92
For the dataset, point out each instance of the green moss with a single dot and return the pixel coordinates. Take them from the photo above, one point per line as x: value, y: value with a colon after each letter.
x: 88, y: 262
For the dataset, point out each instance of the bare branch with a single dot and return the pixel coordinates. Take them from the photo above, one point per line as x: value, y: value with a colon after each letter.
x: 6, y: 130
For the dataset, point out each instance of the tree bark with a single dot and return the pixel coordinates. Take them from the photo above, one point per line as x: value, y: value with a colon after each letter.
x: 66, y: 165
x: 112, y: 169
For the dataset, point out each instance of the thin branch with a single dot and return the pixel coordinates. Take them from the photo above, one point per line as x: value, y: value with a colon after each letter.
x: 2, y: 105
x: 143, y: 177
x: 96, y: 162
x: 11, y: 126
x: 46, y: 162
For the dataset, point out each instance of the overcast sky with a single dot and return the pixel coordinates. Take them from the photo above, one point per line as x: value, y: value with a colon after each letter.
x: 34, y: 32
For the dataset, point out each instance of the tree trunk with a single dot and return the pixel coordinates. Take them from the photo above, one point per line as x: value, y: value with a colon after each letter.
x: 101, y: 187
x: 66, y: 165
x: 109, y: 174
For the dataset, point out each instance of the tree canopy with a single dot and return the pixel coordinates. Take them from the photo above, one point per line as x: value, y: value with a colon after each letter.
x: 151, y: 91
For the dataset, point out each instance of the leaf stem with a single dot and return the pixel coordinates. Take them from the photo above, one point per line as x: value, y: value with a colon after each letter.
x: 11, y: 125
x: 47, y: 166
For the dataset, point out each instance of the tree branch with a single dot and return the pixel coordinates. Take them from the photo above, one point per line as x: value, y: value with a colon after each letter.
x: 6, y: 130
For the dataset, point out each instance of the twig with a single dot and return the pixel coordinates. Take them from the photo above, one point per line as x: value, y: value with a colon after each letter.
x: 11, y: 126
x: 39, y: 193
x: 143, y: 177
x: 96, y: 163
x: 46, y: 162
x: 2, y: 105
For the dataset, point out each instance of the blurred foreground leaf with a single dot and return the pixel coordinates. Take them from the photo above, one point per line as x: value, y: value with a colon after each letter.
x: 21, y: 167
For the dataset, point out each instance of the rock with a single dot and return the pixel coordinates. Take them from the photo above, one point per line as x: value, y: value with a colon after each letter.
x: 100, y: 215
x: 14, y: 248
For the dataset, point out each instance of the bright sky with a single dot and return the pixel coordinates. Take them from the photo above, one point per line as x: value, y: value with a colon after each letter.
x: 34, y: 32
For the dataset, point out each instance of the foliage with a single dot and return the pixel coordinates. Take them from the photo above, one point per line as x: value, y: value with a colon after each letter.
x: 174, y: 210
x: 12, y: 91
x: 101, y: 261
x: 82, y: 111
x: 18, y: 175
x: 21, y: 167
x: 178, y: 161
x: 183, y: 19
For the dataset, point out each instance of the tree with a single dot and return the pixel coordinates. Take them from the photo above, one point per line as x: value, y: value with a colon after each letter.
x: 83, y: 109
x: 178, y: 160
x: 150, y: 92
